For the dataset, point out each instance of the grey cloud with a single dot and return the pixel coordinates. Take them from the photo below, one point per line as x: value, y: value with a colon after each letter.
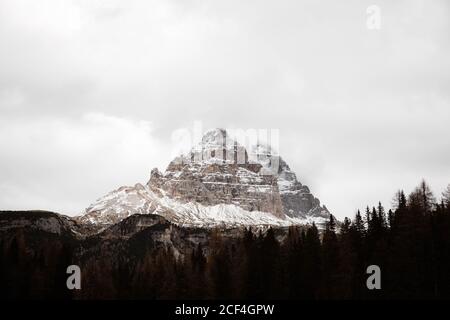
x: 360, y: 112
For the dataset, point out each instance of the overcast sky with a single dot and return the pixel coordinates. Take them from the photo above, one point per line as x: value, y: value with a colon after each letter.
x: 91, y: 92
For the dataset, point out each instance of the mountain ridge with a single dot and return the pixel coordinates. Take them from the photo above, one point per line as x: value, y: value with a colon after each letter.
x: 218, y: 182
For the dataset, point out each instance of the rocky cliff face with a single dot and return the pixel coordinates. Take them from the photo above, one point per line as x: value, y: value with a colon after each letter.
x: 218, y: 182
x: 297, y: 200
x: 211, y: 184
x: 218, y: 171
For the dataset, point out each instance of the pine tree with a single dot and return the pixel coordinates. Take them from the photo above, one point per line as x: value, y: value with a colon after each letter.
x: 399, y: 200
x: 390, y: 218
x: 381, y: 217
x: 293, y: 255
x: 348, y: 255
x: 346, y: 225
x: 312, y: 263
x: 359, y: 248
x: 330, y: 260
x: 367, y: 218
x: 359, y: 224
x: 446, y: 196
x: 219, y: 270
x: 373, y: 223
x: 271, y: 268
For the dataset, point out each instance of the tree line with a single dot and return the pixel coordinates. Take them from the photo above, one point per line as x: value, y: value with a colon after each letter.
x: 410, y: 243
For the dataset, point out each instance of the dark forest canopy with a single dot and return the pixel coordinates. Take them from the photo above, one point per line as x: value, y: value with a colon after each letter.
x: 410, y: 243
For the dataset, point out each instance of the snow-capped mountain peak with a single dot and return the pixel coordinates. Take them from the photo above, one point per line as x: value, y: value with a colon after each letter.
x: 217, y: 183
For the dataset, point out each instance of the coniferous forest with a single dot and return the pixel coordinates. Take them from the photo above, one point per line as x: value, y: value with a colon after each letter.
x: 410, y: 243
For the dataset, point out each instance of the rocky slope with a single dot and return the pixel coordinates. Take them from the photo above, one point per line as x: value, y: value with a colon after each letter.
x: 36, y: 247
x: 217, y: 183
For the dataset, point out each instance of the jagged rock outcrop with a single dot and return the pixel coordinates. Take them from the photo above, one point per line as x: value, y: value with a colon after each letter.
x: 213, y: 184
x: 219, y: 182
x: 297, y: 200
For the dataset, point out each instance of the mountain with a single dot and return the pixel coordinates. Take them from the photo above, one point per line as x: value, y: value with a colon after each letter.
x: 146, y: 256
x: 131, y: 258
x: 44, y: 222
x: 218, y: 182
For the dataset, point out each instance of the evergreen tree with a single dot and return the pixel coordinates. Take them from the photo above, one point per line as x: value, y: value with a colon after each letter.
x: 312, y: 263
x: 330, y: 260
x: 446, y: 196
x: 347, y: 257
x: 293, y: 255
x: 390, y: 218
x: 359, y: 224
x: 367, y: 218
x: 270, y: 266
x: 381, y: 217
